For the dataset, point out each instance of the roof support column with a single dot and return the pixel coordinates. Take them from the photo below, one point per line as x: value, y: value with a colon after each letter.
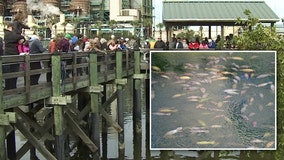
x: 222, y: 32
x: 209, y: 32
x: 168, y: 32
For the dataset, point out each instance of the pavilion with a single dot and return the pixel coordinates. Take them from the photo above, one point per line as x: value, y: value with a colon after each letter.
x: 213, y: 13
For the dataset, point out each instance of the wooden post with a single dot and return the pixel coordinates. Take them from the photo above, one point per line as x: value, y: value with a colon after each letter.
x: 137, y: 123
x: 95, y: 94
x: 2, y: 127
x: 58, y: 110
x: 147, y: 91
x: 104, y: 126
x: 120, y: 104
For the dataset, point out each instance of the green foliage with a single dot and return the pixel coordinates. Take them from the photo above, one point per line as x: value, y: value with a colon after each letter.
x: 189, y: 34
x: 160, y: 25
x: 260, y: 38
x: 256, y: 36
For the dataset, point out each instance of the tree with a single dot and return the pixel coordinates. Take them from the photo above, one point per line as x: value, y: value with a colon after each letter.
x: 147, y: 23
x: 188, y: 34
x: 98, y: 25
x: 135, y: 25
x: 256, y: 36
x: 160, y: 26
x: 112, y: 24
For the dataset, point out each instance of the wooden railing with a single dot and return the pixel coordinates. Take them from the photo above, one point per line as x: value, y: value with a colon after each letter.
x: 77, y: 66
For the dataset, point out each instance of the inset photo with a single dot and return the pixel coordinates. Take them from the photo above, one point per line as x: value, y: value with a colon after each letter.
x: 213, y: 100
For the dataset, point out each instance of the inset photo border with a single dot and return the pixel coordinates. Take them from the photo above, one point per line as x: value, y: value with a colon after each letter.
x: 213, y: 100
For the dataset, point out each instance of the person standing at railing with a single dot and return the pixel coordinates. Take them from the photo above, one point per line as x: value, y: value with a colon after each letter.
x: 63, y: 45
x: 18, y: 24
x: 52, y: 47
x: 11, y: 40
x: 36, y: 47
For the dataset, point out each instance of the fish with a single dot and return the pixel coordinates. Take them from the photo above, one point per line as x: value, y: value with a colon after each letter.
x: 161, y: 114
x: 263, y: 84
x: 203, y: 90
x: 200, y: 106
x: 251, y: 114
x: 202, y: 123
x: 168, y: 110
x: 172, y: 132
x: 219, y: 104
x: 263, y: 75
x: 184, y: 77
x: 269, y: 144
x: 227, y: 73
x: 257, y: 141
x: 212, y: 69
x: 165, y: 76
x: 155, y: 68
x: 199, y: 131
x: 201, y: 74
x: 216, y: 126
x: 236, y: 58
x: 194, y: 97
x: 152, y: 94
x: 270, y: 104
x: 221, y: 78
x: 247, y: 70
x: 191, y: 88
x: 266, y: 134
x: 177, y: 95
x: 206, y: 142
x: 231, y: 91
x: 272, y: 87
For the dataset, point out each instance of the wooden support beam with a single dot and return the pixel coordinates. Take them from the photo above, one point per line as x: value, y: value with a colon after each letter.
x: 120, y: 103
x: 58, y: 110
x: 35, y: 142
x: 95, y: 102
x: 137, y: 109
x: 25, y: 148
x: 76, y: 129
x: 42, y: 131
x: 2, y: 127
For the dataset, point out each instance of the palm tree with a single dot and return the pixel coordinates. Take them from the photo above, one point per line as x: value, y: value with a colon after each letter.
x: 147, y: 23
x: 112, y: 24
x: 75, y: 21
x: 135, y: 25
x: 160, y: 26
x: 99, y: 26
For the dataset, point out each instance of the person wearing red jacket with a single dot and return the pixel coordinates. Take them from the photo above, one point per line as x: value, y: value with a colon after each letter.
x: 193, y: 45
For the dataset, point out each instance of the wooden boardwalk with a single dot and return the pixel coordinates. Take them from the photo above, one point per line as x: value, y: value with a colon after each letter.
x: 74, y: 104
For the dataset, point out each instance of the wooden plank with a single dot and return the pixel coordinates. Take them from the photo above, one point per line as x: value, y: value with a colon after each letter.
x: 4, y: 120
x: 41, y: 130
x: 35, y: 142
x: 76, y: 128
x: 109, y: 119
x: 23, y: 150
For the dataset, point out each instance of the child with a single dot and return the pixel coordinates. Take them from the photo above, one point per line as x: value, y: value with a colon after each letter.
x: 23, y: 48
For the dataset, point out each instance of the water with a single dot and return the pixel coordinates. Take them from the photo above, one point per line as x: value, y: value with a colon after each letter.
x: 213, y: 100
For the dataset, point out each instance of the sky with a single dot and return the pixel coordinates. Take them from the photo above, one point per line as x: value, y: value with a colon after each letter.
x: 275, y: 5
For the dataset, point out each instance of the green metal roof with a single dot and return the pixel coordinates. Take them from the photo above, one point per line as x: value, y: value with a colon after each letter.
x: 215, y: 12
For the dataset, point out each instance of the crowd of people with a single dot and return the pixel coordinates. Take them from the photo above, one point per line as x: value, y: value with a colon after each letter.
x: 193, y: 44
x: 16, y: 43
